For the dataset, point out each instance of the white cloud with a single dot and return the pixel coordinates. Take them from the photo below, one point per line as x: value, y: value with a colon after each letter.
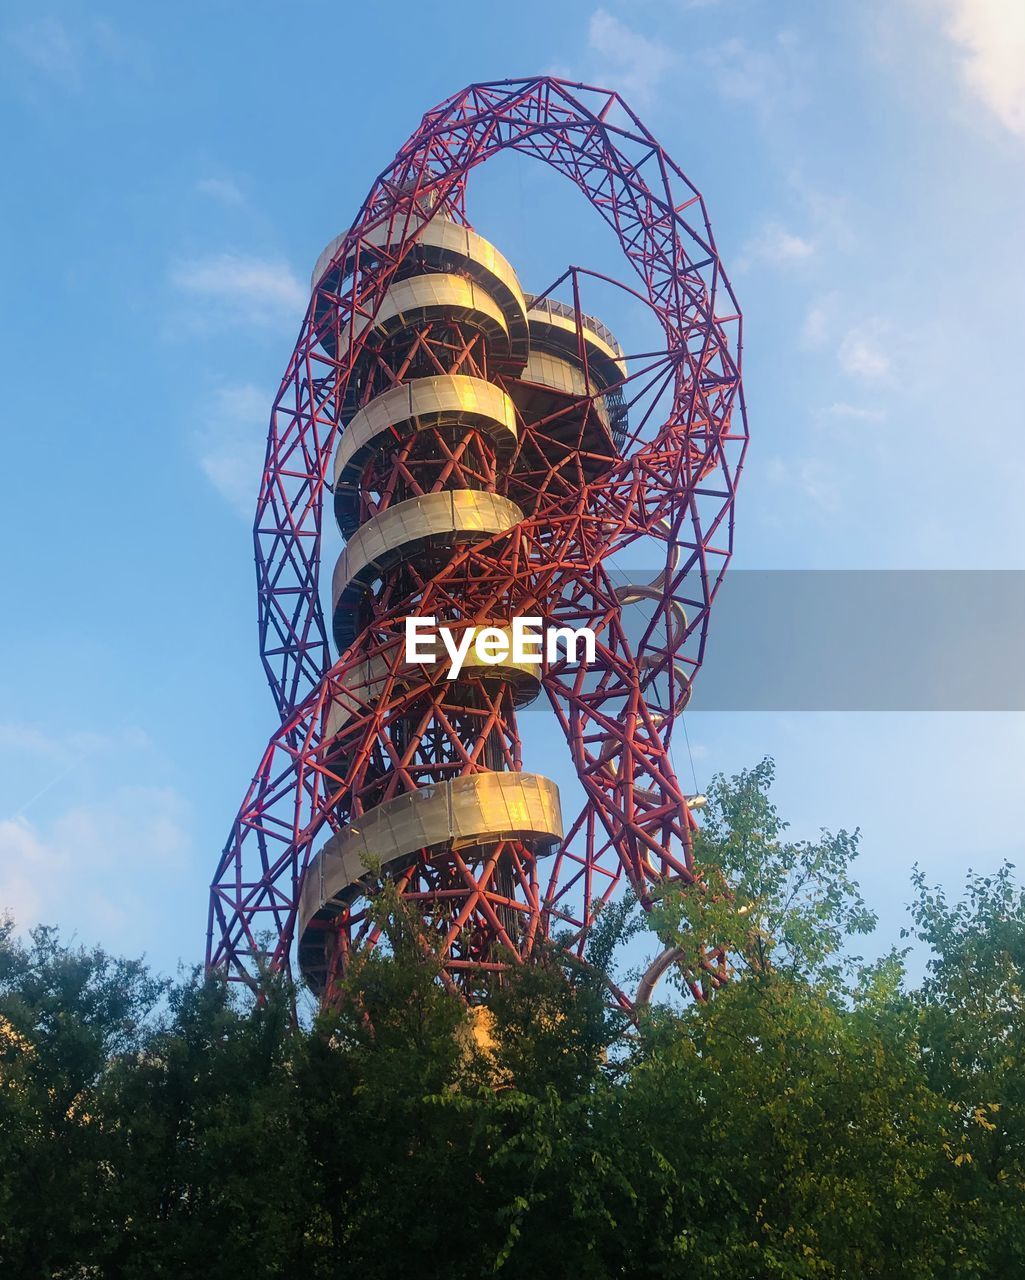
x: 859, y: 413
x: 88, y: 841
x: 69, y: 871
x: 242, y: 289
x: 829, y: 213
x: 632, y: 63
x: 826, y: 226
x: 65, y: 747
x: 990, y: 35
x: 25, y: 869
x: 232, y: 442
x: 28, y: 740
x: 223, y: 190
x: 818, y: 481
x: 777, y: 246
x: 47, y: 47
x: 49, y: 759
x: 117, y: 47
x: 815, y: 478
x: 818, y: 322
x: 862, y: 349
x: 768, y: 78
x: 862, y: 352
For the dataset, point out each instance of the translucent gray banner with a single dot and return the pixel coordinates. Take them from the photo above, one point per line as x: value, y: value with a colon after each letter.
x: 865, y: 640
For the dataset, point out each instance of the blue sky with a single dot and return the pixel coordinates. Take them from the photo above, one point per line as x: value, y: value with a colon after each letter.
x: 172, y: 172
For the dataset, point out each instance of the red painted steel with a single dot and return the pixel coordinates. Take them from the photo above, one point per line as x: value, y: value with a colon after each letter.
x: 670, y: 492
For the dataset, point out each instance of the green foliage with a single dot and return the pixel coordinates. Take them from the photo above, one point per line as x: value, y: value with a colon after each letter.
x: 815, y: 1118
x: 774, y: 905
x: 65, y: 1014
x: 971, y: 1010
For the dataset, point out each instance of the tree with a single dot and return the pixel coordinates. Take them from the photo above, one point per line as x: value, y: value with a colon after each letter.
x: 208, y: 1172
x: 65, y: 1014
x: 971, y: 1009
x: 816, y: 1117
x: 773, y: 904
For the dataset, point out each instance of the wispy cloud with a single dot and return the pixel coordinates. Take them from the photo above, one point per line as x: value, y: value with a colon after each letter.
x: 634, y: 64
x: 819, y: 321
x: 27, y: 739
x: 856, y: 412
x: 68, y: 869
x: 236, y: 279
x: 863, y: 352
x: 26, y: 865
x: 235, y: 288
x: 768, y: 78
x: 989, y: 36
x: 87, y: 840
x: 119, y: 47
x: 814, y: 478
x: 223, y: 190
x: 864, y: 349
x: 230, y: 445
x: 47, y: 47
x: 828, y: 213
x: 776, y: 246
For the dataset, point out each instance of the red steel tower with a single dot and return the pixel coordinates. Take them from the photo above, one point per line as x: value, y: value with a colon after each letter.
x: 488, y: 451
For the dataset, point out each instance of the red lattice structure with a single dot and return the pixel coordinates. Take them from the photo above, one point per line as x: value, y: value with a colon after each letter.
x: 487, y: 453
